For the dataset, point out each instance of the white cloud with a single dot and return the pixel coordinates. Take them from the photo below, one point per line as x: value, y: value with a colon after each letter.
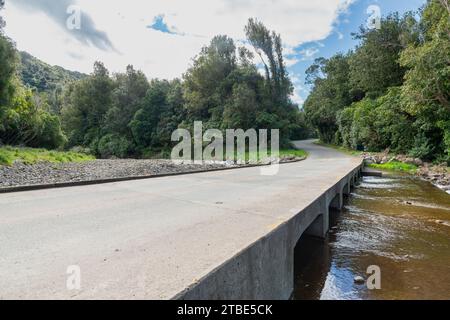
x: 308, y: 53
x: 299, y: 90
x: 161, y: 54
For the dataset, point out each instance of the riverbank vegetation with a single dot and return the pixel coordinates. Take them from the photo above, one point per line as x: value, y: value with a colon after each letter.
x: 8, y: 155
x: 395, y: 166
x: 126, y: 115
x: 392, y: 92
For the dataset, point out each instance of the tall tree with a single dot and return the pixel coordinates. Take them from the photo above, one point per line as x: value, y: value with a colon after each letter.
x: 330, y: 94
x: 269, y: 48
x: 8, y: 66
x: 205, y: 82
x: 426, y: 92
x: 85, y: 107
x: 159, y: 115
x: 374, y: 66
x: 129, y: 90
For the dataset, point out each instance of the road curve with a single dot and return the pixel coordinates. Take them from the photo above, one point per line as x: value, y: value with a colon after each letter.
x: 150, y: 239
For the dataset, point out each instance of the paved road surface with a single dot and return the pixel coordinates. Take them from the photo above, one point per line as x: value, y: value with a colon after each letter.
x: 150, y: 239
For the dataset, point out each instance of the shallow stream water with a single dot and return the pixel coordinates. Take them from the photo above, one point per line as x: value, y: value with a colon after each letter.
x: 400, y: 224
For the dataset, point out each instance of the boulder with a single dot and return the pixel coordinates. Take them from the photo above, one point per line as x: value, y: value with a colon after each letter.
x: 359, y: 280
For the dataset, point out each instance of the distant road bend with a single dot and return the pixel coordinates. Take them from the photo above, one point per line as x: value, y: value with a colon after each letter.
x: 217, y: 235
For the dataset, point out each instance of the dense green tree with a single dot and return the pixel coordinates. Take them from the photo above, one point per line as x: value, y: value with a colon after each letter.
x: 426, y: 91
x: 129, y: 90
x: 86, y: 105
x: 330, y: 94
x: 28, y: 122
x: 8, y: 63
x: 242, y: 109
x: 43, y: 77
x: 205, y: 83
x: 269, y: 48
x: 377, y: 124
x: 374, y: 66
x: 160, y: 113
x: 398, y: 91
x: 24, y: 116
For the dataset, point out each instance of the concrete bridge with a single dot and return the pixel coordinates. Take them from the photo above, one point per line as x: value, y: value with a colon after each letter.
x: 217, y: 235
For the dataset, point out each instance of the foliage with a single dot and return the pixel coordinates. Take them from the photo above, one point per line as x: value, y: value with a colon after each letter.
x: 113, y: 145
x: 331, y: 94
x: 124, y: 114
x: 30, y: 156
x: 43, y: 77
x: 85, y: 107
x: 392, y: 91
x: 24, y: 117
x: 374, y: 65
x: 394, y: 166
x: 8, y: 63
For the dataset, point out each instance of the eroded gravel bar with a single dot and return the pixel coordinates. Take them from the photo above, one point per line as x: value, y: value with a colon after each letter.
x: 40, y: 173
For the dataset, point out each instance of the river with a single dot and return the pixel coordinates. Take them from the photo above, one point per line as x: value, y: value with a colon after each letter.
x: 400, y: 224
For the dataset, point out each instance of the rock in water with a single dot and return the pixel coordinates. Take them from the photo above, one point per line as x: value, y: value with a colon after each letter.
x: 359, y: 280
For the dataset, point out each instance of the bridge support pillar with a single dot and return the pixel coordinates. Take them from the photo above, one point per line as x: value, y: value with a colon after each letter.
x: 347, y: 189
x: 337, y: 202
x: 319, y: 228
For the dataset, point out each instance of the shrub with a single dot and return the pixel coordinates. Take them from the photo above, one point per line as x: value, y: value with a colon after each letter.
x: 113, y: 145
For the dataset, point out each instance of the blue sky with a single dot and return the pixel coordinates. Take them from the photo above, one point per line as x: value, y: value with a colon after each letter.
x: 162, y: 37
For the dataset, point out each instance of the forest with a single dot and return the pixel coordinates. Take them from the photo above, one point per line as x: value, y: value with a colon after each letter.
x: 127, y: 115
x: 392, y: 92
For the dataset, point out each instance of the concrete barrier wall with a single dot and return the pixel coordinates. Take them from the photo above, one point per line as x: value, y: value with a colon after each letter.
x: 265, y: 270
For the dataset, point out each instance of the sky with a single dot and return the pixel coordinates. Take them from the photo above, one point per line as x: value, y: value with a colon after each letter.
x: 161, y: 37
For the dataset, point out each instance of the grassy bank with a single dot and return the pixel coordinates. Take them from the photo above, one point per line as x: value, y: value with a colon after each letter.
x: 30, y: 156
x: 284, y: 153
x: 293, y: 152
x: 395, y: 166
x: 389, y: 166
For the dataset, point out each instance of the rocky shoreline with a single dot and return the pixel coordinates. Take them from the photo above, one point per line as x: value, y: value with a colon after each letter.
x: 41, y: 173
x: 436, y: 174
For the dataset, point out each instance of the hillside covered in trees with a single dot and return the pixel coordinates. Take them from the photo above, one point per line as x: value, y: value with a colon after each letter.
x: 392, y: 91
x: 43, y: 77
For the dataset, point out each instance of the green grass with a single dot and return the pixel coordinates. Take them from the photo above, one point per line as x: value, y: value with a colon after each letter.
x: 294, y: 152
x: 8, y: 155
x: 283, y: 153
x: 395, y: 166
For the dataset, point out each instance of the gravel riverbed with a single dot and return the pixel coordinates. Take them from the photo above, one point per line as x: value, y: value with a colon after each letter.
x: 20, y: 174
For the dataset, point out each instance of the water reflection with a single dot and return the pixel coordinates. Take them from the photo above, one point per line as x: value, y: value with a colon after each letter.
x: 400, y: 224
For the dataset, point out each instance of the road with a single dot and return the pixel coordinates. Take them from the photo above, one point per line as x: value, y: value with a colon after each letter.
x: 150, y: 239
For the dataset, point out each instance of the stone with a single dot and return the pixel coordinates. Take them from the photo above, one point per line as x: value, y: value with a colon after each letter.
x: 359, y: 280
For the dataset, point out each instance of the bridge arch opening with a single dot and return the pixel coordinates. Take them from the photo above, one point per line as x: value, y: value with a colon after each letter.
x: 335, y: 209
x: 312, y: 262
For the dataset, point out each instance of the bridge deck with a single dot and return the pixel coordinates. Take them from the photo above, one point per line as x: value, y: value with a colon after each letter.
x: 153, y: 238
